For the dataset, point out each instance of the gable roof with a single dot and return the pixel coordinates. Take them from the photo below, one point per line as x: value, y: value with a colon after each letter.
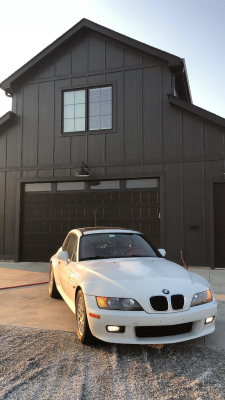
x: 7, y: 119
x: 201, y: 112
x: 175, y: 63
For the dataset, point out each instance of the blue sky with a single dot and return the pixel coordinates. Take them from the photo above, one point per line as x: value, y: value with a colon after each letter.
x: 191, y: 29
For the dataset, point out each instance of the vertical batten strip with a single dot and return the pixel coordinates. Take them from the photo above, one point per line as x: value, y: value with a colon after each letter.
x: 38, y: 126
x: 22, y: 111
x: 2, y: 221
x: 142, y: 147
x: 182, y: 207
x: 161, y: 111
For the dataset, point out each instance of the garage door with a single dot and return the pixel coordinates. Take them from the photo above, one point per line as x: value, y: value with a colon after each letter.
x: 49, y: 215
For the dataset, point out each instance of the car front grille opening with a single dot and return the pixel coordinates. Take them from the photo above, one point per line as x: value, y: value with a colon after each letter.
x: 159, y: 303
x: 177, y: 301
x: 164, y: 330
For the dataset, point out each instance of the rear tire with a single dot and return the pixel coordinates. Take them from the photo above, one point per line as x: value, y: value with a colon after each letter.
x: 82, y: 327
x: 52, y: 289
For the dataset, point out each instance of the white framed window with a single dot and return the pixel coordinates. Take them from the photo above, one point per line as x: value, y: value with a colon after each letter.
x: 88, y: 109
x: 74, y: 111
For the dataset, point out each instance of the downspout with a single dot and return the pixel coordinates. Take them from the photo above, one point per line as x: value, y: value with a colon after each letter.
x: 173, y: 80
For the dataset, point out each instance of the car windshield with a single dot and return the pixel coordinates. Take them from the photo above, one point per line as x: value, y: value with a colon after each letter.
x: 115, y: 245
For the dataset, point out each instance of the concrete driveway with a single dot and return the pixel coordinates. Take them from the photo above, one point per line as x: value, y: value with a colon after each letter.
x: 32, y: 306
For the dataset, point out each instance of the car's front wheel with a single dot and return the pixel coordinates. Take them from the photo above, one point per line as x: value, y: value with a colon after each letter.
x: 83, y: 331
x: 52, y: 289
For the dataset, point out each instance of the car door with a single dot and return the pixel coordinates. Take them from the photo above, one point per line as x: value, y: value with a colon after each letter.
x: 63, y: 267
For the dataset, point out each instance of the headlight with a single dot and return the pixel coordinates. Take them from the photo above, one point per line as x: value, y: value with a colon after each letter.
x: 116, y: 303
x: 201, y: 298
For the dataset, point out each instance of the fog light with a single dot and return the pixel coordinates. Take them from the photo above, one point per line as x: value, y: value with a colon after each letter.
x: 209, y: 320
x: 113, y: 328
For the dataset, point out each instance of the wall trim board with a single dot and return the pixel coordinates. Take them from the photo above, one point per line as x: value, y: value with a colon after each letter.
x: 211, y: 220
x: 117, y: 164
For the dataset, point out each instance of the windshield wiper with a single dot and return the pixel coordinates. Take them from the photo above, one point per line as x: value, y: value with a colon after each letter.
x: 93, y: 258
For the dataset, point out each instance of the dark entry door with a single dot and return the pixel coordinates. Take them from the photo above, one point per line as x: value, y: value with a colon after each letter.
x: 219, y: 224
x: 48, y: 217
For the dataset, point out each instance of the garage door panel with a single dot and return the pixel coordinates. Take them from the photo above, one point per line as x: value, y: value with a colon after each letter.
x: 153, y: 197
x: 154, y: 212
x: 65, y: 213
x: 80, y: 199
x: 145, y: 212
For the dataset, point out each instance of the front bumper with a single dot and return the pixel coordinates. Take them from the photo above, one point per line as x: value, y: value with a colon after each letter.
x: 131, y: 319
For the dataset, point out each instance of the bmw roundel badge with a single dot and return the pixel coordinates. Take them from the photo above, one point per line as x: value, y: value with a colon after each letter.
x: 165, y: 291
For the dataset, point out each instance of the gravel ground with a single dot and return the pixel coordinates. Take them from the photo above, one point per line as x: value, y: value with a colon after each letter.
x: 40, y: 364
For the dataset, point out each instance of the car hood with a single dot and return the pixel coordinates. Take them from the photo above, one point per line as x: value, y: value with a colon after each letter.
x: 139, y: 278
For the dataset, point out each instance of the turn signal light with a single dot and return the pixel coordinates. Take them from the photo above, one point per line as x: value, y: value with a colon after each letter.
x: 94, y: 315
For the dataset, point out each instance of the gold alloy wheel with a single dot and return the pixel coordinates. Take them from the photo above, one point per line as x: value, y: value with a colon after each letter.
x: 51, y: 280
x: 80, y: 316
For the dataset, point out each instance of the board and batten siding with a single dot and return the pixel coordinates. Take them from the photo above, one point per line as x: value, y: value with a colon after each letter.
x: 150, y: 136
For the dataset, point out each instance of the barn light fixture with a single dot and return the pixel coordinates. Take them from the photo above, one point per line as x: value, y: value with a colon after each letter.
x: 84, y: 172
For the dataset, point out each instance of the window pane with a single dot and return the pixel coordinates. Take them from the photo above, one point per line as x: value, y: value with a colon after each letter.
x: 79, y: 124
x: 94, y: 95
x: 70, y: 186
x: 80, y: 96
x: 94, y: 109
x: 105, y: 185
x: 106, y: 93
x: 141, y: 183
x: 69, y: 125
x: 106, y: 108
x: 38, y: 187
x: 100, y: 105
x: 106, y: 122
x: 68, y: 98
x: 69, y: 112
x: 79, y: 110
x: 94, y: 123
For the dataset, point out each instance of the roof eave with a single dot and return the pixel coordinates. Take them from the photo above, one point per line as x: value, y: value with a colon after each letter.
x: 201, y: 112
x: 7, y: 119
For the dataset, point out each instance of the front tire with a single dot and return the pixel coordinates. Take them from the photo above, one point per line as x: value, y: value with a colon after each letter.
x: 52, y: 289
x: 82, y: 327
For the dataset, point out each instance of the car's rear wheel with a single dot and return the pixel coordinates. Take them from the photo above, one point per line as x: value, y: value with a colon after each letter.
x: 83, y: 331
x: 52, y: 289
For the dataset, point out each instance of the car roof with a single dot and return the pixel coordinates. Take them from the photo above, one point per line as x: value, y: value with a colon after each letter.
x: 103, y: 229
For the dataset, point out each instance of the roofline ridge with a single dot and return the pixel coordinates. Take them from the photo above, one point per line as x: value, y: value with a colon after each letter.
x: 170, y: 58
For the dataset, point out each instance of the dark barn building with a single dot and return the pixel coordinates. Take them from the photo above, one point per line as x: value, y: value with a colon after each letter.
x: 156, y: 161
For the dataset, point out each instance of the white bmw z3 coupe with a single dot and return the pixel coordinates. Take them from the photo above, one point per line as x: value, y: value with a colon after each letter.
x: 122, y: 289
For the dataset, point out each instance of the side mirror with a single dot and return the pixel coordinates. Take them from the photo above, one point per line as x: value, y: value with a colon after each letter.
x: 162, y: 252
x: 63, y: 255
